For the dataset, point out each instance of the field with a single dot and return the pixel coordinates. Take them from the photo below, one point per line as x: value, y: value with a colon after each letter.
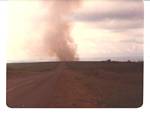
x: 75, y: 84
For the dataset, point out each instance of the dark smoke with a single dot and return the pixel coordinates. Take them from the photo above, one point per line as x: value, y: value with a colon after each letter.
x: 58, y: 38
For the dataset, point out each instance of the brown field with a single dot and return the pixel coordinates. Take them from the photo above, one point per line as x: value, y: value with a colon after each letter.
x: 75, y: 84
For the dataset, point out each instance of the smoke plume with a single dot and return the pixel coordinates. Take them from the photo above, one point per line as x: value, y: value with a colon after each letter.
x: 58, y: 39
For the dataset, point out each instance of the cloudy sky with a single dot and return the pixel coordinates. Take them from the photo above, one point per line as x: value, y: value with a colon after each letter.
x: 100, y: 30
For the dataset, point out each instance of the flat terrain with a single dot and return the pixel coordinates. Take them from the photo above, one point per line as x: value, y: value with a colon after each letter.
x: 75, y: 84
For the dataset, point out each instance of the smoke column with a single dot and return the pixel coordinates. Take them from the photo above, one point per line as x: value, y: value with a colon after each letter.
x: 58, y: 39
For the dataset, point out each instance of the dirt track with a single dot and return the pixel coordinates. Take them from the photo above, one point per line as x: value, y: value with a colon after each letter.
x: 70, y: 85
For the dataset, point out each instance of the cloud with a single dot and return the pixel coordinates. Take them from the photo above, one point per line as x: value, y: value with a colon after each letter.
x: 137, y: 41
x: 118, y: 25
x: 122, y: 14
x: 117, y: 15
x: 98, y: 29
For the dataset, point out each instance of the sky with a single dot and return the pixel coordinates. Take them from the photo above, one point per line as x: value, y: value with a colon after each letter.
x: 85, y: 30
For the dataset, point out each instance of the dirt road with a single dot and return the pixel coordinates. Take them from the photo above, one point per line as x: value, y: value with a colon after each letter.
x: 61, y: 86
